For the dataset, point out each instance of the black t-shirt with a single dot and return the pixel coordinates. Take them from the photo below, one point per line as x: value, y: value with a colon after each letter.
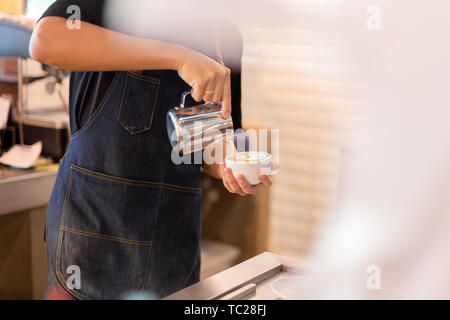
x: 87, y: 89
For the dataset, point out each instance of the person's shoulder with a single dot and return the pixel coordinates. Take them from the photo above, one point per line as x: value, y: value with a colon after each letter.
x: 90, y: 11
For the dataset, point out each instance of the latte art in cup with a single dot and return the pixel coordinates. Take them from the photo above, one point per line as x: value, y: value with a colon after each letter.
x: 250, y: 156
x: 250, y: 165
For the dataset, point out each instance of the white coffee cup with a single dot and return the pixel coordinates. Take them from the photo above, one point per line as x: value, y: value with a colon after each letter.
x: 250, y: 165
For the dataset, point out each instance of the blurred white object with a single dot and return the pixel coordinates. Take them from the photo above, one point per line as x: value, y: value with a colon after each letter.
x: 35, y: 8
x: 390, y: 236
x: 290, y: 288
x: 21, y: 156
x: 194, y: 24
x: 49, y: 93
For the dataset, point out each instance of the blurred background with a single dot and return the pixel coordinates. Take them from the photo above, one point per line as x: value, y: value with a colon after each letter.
x: 295, y: 79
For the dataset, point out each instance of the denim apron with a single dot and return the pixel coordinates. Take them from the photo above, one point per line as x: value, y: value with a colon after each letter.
x: 120, y: 210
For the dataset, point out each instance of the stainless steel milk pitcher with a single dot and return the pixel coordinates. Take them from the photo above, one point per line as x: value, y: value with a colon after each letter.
x: 192, y: 129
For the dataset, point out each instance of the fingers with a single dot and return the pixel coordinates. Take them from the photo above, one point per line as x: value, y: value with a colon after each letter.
x: 209, y: 93
x: 204, y: 87
x: 226, y: 99
x: 199, y: 91
x: 211, y: 88
x: 240, y: 185
x: 218, y: 94
x: 230, y: 182
x: 265, y: 180
x: 215, y: 87
x: 209, y: 79
x: 246, y: 187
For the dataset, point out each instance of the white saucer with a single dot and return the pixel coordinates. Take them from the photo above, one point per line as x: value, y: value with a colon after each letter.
x: 288, y: 288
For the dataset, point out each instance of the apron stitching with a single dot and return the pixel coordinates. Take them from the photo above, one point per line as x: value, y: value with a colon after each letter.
x: 135, y: 182
x: 100, y: 108
x: 106, y: 237
x: 144, y: 78
x: 181, y: 188
x: 123, y: 98
x: 147, y: 271
x: 60, y: 239
x: 114, y: 179
x: 121, y: 105
x: 154, y: 104
x: 72, y: 293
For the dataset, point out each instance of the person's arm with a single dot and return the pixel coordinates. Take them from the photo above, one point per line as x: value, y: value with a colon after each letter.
x: 93, y: 48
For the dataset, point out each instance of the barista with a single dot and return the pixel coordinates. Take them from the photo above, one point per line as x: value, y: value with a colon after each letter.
x: 121, y: 212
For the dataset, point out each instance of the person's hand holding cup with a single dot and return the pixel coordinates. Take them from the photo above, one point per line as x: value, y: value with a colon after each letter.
x: 245, y: 173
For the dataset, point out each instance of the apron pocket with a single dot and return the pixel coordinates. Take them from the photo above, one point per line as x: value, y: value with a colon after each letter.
x: 106, y: 233
x: 138, y: 103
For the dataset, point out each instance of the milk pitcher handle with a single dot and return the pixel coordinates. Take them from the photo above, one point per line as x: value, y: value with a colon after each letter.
x: 183, y: 98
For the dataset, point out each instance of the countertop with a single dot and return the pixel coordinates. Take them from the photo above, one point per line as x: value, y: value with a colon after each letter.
x: 24, y: 189
x: 249, y: 280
